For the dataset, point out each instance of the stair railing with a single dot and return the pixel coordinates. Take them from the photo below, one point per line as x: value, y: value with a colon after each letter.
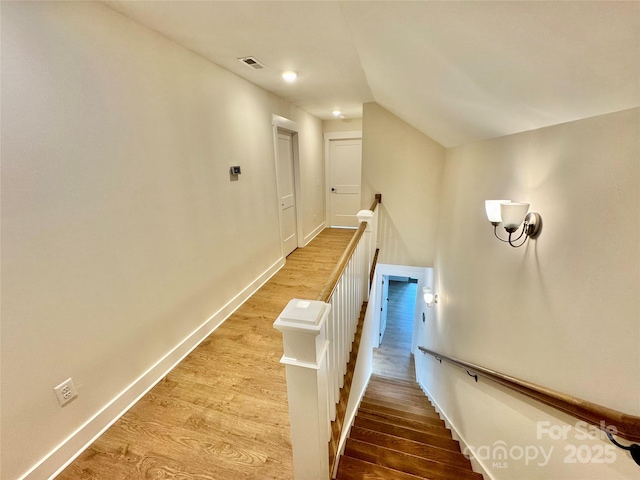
x: 318, y: 337
x: 611, y: 421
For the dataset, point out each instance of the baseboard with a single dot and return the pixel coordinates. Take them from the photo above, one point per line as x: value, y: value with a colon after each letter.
x: 314, y: 234
x: 476, y: 464
x: 65, y: 453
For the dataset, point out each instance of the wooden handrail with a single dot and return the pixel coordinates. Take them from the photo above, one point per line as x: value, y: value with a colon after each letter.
x: 607, y: 419
x: 334, y: 278
x: 374, y: 263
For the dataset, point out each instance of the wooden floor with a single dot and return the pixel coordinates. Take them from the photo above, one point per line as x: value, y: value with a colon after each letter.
x: 222, y: 413
x: 393, y: 358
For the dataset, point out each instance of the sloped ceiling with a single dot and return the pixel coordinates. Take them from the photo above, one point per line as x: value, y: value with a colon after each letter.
x: 459, y: 71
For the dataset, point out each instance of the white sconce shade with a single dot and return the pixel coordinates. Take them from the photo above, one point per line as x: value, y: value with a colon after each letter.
x: 429, y: 298
x: 513, y: 214
x: 492, y: 207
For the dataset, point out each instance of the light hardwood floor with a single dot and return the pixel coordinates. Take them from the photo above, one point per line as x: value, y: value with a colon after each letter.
x: 393, y: 358
x: 222, y: 413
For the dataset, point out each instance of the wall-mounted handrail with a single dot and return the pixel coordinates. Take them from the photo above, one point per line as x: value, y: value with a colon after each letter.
x: 626, y: 426
x: 334, y: 278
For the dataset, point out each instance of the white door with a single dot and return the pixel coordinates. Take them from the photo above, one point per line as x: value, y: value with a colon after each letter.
x: 287, y: 192
x: 345, y: 165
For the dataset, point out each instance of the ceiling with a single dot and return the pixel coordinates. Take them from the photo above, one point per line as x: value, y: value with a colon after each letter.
x: 459, y: 71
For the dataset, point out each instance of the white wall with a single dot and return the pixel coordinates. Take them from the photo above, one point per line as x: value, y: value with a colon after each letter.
x: 562, y: 311
x: 405, y: 166
x: 311, y: 149
x: 122, y: 233
x: 342, y: 125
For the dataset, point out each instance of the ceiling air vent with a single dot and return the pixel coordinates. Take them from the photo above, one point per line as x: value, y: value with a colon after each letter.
x: 252, y: 62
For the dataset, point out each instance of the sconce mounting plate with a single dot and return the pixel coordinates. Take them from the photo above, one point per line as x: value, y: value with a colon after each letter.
x: 533, y: 223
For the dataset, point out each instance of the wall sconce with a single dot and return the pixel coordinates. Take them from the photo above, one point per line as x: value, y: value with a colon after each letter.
x: 429, y: 298
x: 512, y: 215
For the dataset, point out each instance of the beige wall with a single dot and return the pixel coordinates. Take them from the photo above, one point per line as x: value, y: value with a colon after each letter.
x: 342, y: 125
x: 562, y: 311
x: 122, y: 233
x: 312, y: 174
x: 405, y: 166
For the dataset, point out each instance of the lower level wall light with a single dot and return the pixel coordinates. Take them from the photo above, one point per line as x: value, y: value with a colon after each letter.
x: 429, y: 297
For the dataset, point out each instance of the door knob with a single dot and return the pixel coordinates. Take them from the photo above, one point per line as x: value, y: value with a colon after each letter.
x: 333, y: 189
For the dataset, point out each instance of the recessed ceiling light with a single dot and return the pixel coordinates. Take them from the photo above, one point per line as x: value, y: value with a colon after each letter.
x: 289, y: 77
x: 336, y: 113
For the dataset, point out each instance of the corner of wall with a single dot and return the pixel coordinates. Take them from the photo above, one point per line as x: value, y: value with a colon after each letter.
x: 314, y: 234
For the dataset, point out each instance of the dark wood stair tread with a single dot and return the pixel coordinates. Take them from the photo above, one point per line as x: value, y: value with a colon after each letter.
x: 400, y: 397
x: 436, y: 430
x: 392, y: 381
x: 417, y: 423
x: 408, y: 433
x: 356, y: 469
x: 391, y: 390
x: 429, y: 452
x: 405, y: 462
x: 424, y: 409
x: 398, y: 392
x: 394, y: 414
x: 386, y: 385
x: 390, y: 407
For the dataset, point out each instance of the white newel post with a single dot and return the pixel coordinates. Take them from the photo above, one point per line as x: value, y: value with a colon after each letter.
x: 370, y: 245
x: 304, y: 334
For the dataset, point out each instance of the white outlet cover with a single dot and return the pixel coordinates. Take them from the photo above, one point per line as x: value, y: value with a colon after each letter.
x: 65, y: 392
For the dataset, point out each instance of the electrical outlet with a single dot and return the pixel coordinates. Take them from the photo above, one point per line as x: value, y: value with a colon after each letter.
x: 66, y: 392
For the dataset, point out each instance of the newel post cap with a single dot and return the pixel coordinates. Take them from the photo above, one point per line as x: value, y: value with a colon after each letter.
x: 302, y: 316
x: 364, y: 216
x: 304, y: 335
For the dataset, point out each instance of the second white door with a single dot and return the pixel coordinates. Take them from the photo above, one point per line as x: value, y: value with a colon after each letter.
x: 287, y: 192
x: 345, y: 165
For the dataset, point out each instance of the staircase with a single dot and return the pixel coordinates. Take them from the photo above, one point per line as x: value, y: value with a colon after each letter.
x: 397, y: 435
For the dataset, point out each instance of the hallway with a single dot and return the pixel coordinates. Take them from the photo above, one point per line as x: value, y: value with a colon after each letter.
x: 393, y: 358
x: 222, y: 413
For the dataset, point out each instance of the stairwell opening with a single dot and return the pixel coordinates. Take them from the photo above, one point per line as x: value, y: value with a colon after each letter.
x: 393, y: 357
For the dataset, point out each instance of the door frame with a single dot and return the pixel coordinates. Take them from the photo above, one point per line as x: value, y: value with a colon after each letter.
x: 328, y: 136
x: 384, y: 306
x: 425, y: 279
x: 282, y: 123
